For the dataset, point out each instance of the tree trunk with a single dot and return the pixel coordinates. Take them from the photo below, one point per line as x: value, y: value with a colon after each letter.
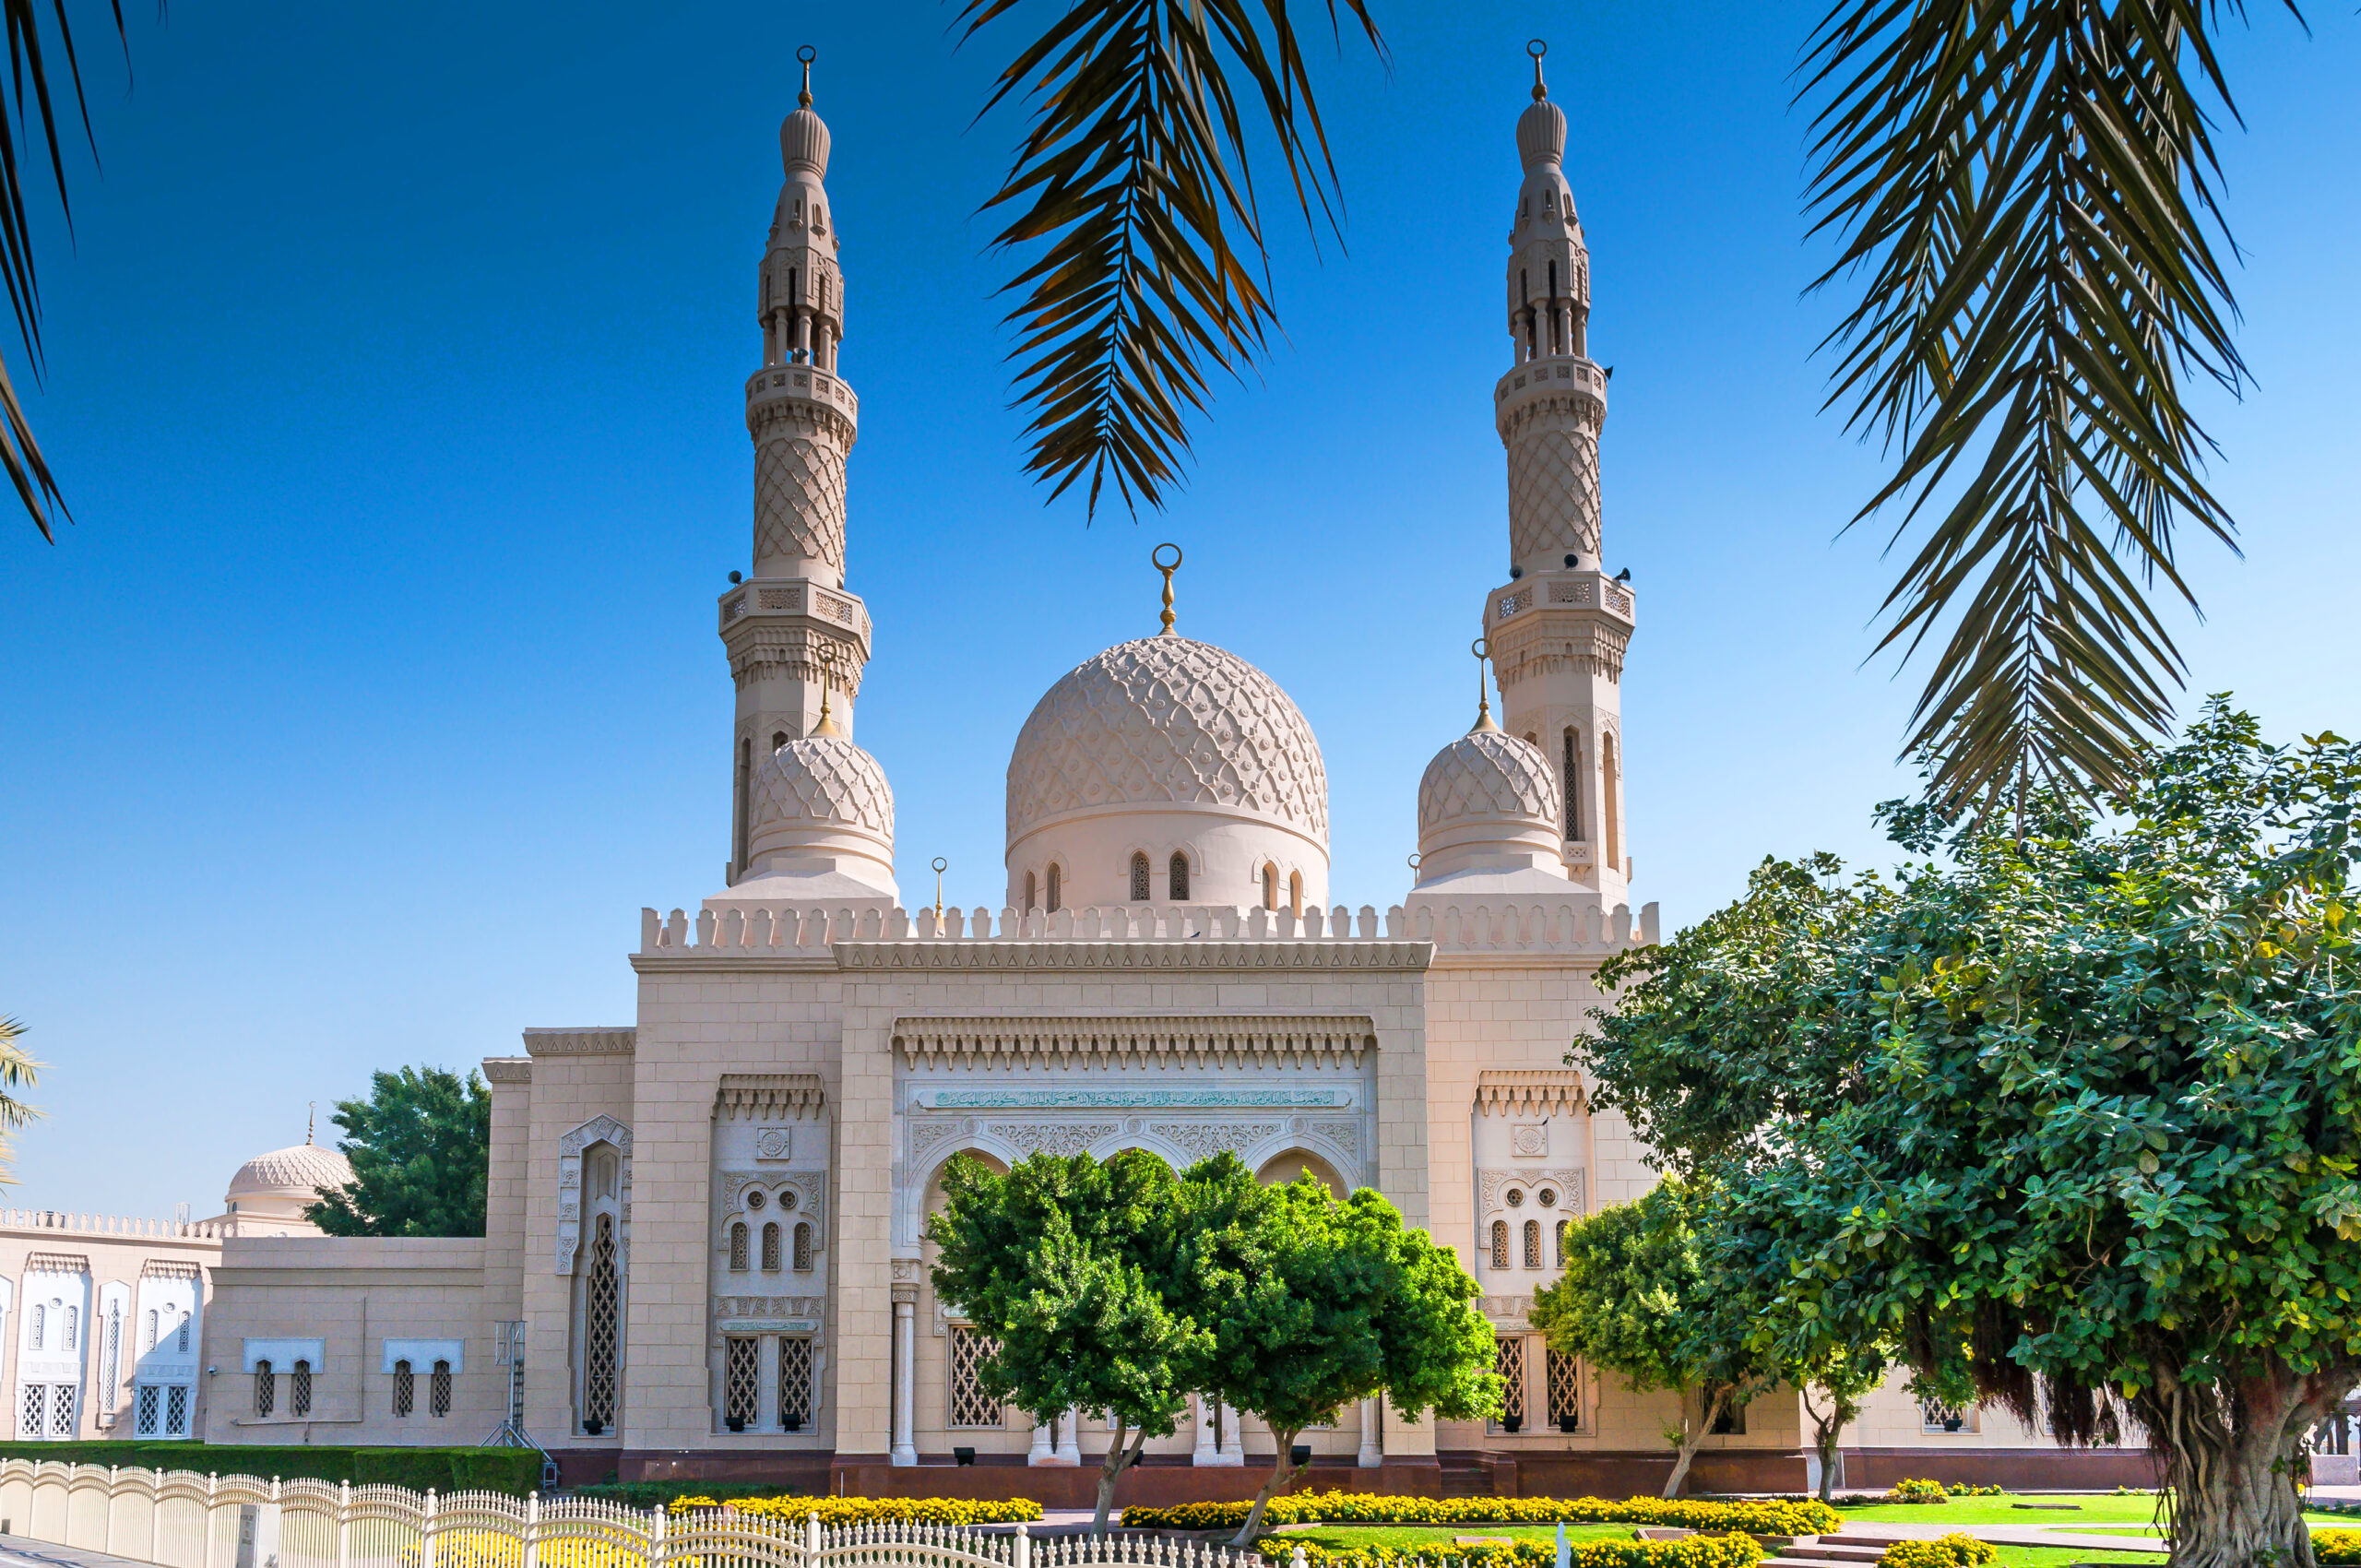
x: 2231, y: 1456
x: 1285, y: 1472
x: 1827, y: 1434
x: 1122, y: 1449
x: 1691, y: 1437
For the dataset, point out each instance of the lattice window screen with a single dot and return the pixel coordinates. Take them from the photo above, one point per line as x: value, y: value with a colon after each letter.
x: 1139, y: 879
x: 795, y: 1384
x: 32, y: 1414
x: 804, y: 1248
x: 742, y: 1379
x: 969, y: 1405
x: 1533, y: 1243
x: 1565, y: 1391
x: 265, y: 1389
x: 1500, y: 1244
x: 770, y: 1248
x: 146, y: 1408
x: 737, y: 1249
x: 113, y: 1382
x: 1508, y: 1359
x: 601, y: 1313
x: 60, y: 1409
x: 299, y: 1390
x: 438, y: 1390
x: 404, y: 1389
x: 176, y: 1410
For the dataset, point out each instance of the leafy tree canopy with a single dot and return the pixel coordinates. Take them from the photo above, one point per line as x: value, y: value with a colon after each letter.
x: 421, y: 1146
x: 2075, y: 1119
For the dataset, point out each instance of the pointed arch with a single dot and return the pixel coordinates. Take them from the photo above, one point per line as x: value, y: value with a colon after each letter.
x: 1143, y: 878
x: 1177, y: 877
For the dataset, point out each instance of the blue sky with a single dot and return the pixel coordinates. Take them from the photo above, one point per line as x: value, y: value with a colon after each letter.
x: 394, y: 378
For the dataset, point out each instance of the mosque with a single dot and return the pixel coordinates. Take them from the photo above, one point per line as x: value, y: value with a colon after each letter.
x: 705, y: 1256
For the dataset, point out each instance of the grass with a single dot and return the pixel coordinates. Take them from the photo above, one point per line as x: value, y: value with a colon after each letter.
x: 2096, y: 1507
x: 2060, y: 1556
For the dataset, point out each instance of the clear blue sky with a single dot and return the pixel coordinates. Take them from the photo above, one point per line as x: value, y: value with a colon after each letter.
x: 394, y: 379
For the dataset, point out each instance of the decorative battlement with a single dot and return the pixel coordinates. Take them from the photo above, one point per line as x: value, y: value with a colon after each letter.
x: 116, y: 1225
x: 802, y: 383
x: 1158, y: 1043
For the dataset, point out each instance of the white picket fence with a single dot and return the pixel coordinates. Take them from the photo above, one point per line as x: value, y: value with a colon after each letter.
x: 180, y: 1519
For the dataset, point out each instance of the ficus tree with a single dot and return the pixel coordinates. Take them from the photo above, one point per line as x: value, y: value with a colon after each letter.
x: 1638, y: 1298
x: 421, y: 1147
x: 1073, y: 1267
x: 2074, y: 1119
x: 1316, y: 1301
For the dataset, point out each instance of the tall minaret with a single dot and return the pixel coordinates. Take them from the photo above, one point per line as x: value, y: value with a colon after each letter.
x: 1558, y: 628
x: 791, y: 630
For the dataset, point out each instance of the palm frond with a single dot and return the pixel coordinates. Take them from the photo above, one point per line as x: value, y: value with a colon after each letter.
x: 2026, y: 191
x: 1135, y: 180
x: 18, y: 1072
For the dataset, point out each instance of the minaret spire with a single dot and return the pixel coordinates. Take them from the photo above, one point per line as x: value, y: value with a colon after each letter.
x: 792, y: 631
x: 1559, y: 629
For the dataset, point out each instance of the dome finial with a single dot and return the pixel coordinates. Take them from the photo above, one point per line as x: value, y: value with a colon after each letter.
x: 825, y: 655
x: 1533, y: 46
x: 1482, y: 648
x: 311, y: 1118
x: 1157, y: 557
x: 807, y: 54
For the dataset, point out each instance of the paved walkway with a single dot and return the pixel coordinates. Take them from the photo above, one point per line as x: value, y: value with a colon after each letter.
x: 23, y: 1552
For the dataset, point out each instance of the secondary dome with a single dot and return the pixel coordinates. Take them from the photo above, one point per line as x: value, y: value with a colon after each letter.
x: 1488, y: 799
x: 818, y: 805
x: 1167, y: 746
x: 271, y: 1191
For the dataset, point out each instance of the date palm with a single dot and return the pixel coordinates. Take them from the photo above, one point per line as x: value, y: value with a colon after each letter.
x: 18, y: 1072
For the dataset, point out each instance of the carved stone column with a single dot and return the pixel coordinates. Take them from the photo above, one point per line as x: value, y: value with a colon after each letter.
x: 1070, y: 1450
x: 1372, y: 1440
x: 906, y: 1345
x: 1204, y: 1453
x: 1040, y: 1453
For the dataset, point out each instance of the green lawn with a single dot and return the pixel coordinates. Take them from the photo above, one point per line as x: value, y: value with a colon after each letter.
x: 2060, y: 1556
x: 2095, y: 1508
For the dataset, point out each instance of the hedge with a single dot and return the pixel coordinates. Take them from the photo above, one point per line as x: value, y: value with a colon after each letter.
x: 2340, y: 1548
x: 1771, y: 1518
x: 837, y: 1511
x: 1952, y: 1551
x: 513, y: 1470
x: 1697, y: 1551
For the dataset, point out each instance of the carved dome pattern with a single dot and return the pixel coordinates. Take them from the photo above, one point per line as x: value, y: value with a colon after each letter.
x: 302, y: 1169
x: 822, y: 781
x: 1488, y: 774
x: 1168, y: 720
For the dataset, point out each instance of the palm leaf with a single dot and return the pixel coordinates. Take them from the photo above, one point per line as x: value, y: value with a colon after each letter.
x: 18, y: 1072
x: 2024, y: 192
x: 1135, y: 183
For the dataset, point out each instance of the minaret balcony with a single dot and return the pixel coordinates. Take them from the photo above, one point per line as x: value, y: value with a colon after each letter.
x: 1551, y: 376
x: 1542, y: 594
x: 775, y: 599
x: 800, y: 383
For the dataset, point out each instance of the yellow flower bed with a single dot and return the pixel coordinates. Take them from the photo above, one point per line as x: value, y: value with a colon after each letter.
x: 1764, y: 1518
x: 1917, y: 1492
x: 493, y: 1549
x: 837, y: 1511
x: 2336, y: 1548
x: 1697, y: 1551
x: 1952, y: 1551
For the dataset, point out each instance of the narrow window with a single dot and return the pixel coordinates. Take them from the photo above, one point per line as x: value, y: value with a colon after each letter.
x: 176, y: 1410
x: 1533, y: 1243
x: 1500, y: 1244
x: 72, y: 1326
x: 1611, y: 766
x: 1573, y: 775
x: 602, y: 1328
x: 404, y: 1389
x: 1270, y: 885
x: 113, y: 1378
x: 742, y: 1381
x: 1177, y: 875
x: 151, y: 1330
x: 1056, y: 889
x: 184, y: 1334
x: 794, y: 1384
x: 1508, y: 1359
x: 1294, y: 892
x: 1030, y: 900
x: 745, y: 788
x: 146, y: 1409
x: 738, y: 1248
x: 41, y: 1325
x: 770, y: 1247
x: 1564, y: 1227
x: 971, y: 1406
x: 1731, y: 1423
x: 804, y: 1248
x: 1140, y: 892
x: 265, y: 1389
x: 438, y: 1390
x: 299, y: 1390
x: 1565, y: 1392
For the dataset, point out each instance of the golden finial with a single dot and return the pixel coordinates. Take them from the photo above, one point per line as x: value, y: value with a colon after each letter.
x: 941, y: 865
x: 825, y: 655
x: 1482, y: 648
x: 311, y: 1119
x: 1533, y: 46
x: 807, y: 54
x: 1156, y: 557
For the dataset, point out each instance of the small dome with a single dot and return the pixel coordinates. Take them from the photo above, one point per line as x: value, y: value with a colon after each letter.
x: 1540, y: 134
x: 1488, y: 799
x: 820, y: 785
x: 298, y: 1174
x: 803, y: 143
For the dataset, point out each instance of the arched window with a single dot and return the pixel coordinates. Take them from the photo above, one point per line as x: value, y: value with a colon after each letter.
x: 1500, y: 1244
x: 265, y: 1389
x: 438, y: 1390
x: 299, y: 1390
x: 1178, y: 875
x: 1057, y: 887
x: 738, y: 1248
x: 1031, y: 898
x: 602, y: 1306
x: 1573, y: 769
x: 1294, y: 892
x: 113, y: 1378
x: 183, y: 1336
x: 1611, y: 812
x: 151, y: 1330
x: 404, y: 1389
x: 1533, y: 1243
x: 1141, y: 893
x: 804, y: 1248
x: 1564, y: 1227
x: 1270, y: 885
x: 41, y: 1325
x: 770, y: 1247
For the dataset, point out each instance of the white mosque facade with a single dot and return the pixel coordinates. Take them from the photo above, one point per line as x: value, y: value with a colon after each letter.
x: 709, y: 1222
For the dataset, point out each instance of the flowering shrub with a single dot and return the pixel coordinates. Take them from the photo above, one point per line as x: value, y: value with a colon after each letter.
x: 1953, y: 1550
x: 1697, y: 1551
x: 1969, y: 1489
x: 494, y: 1549
x: 837, y: 1511
x: 1916, y: 1492
x: 2336, y: 1547
x: 1773, y: 1517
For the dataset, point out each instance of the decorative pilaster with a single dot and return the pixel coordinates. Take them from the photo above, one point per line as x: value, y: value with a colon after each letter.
x: 904, y: 1375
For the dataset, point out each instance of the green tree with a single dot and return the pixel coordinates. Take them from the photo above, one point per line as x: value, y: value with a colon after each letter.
x: 1638, y: 1298
x: 2084, y: 1125
x: 421, y: 1146
x: 1317, y: 1301
x: 1834, y: 1379
x: 1073, y: 1267
x: 18, y: 1072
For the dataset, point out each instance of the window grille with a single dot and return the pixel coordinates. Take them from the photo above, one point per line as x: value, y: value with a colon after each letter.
x: 438, y: 1390
x: 741, y: 1380
x: 1573, y: 787
x: 601, y: 1310
x: 1140, y: 891
x: 1533, y: 1243
x: 176, y: 1410
x: 1177, y: 879
x: 265, y: 1389
x: 1056, y: 889
x: 151, y: 1330
x: 61, y: 1409
x: 738, y: 1248
x: 183, y: 1338
x: 1935, y: 1418
x: 770, y: 1248
x: 72, y: 1326
x: 299, y: 1390
x: 1565, y: 1392
x: 1508, y: 1359
x: 795, y: 1384
x: 1500, y: 1244
x: 113, y: 1378
x: 1565, y: 1229
x: 148, y: 1407
x: 32, y: 1413
x: 41, y: 1328
x: 804, y: 1248
x: 971, y: 1406
x: 405, y: 1388
x: 1731, y: 1423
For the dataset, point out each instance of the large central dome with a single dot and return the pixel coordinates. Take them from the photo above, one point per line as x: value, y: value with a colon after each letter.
x: 1162, y: 744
